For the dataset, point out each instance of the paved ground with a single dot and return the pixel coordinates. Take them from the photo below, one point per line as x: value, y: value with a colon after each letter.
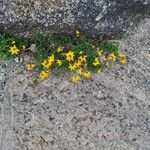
x: 110, y: 111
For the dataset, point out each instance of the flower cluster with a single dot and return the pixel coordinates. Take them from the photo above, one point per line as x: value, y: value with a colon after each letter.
x: 120, y: 56
x: 47, y: 63
x: 43, y: 75
x: 30, y: 67
x: 81, y: 60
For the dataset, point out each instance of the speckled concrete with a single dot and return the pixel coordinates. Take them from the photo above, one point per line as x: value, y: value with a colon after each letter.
x: 110, y: 111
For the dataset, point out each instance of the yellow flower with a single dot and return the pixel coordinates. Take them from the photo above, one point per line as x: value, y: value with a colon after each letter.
x: 30, y: 67
x: 87, y: 74
x: 80, y: 71
x: 72, y: 66
x: 59, y: 49
x: 78, y: 63
x: 121, y: 55
x: 59, y: 62
x: 14, y: 50
x: 51, y: 58
x: 112, y: 56
x: 77, y: 33
x: 123, y: 61
x: 43, y: 75
x: 70, y: 56
x: 46, y: 64
x: 75, y: 78
x: 96, y: 62
x: 99, y: 52
x: 13, y: 42
x: 82, y: 58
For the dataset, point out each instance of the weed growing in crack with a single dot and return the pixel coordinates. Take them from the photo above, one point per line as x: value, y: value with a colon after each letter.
x: 75, y: 53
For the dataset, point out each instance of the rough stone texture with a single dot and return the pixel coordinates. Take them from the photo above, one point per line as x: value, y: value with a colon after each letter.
x: 110, y: 111
x: 109, y: 17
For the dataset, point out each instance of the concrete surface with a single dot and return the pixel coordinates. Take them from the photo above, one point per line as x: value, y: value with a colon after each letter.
x: 110, y: 111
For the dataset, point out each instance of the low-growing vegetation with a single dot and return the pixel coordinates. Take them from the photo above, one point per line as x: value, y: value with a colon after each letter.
x: 76, y: 53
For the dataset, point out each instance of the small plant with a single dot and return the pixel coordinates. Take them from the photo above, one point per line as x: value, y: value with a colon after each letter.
x: 74, y: 53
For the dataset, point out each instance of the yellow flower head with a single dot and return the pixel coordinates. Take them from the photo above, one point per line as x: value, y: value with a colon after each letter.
x: 78, y: 64
x: 75, y: 78
x: 70, y: 56
x: 96, y: 62
x: 46, y: 64
x: 80, y: 71
x: 51, y: 58
x: 99, y: 52
x: 14, y: 50
x: 43, y: 75
x: 87, y: 74
x: 123, y: 61
x: 59, y: 62
x: 72, y: 66
x: 121, y: 55
x: 82, y: 58
x: 112, y: 56
x: 30, y: 67
x: 59, y: 49
x: 77, y: 33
